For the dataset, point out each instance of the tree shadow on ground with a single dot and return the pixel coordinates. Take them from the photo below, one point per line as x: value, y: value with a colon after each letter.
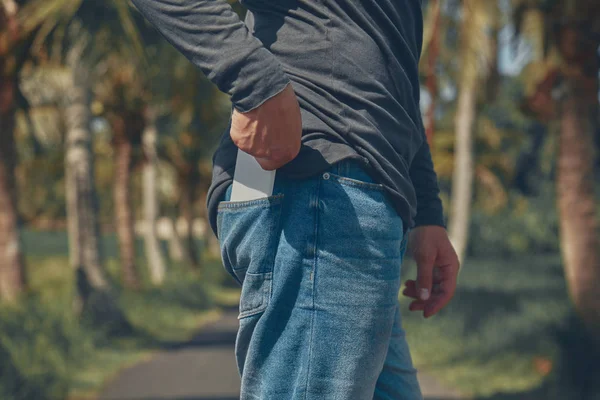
x: 225, y: 398
x: 173, y: 398
x: 206, y: 337
x: 218, y: 337
x: 536, y: 394
x: 476, y: 306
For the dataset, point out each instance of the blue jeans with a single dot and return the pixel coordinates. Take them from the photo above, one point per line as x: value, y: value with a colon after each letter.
x: 319, y: 264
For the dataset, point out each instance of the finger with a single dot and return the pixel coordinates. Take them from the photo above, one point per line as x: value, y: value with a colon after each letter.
x: 410, y: 290
x: 449, y: 275
x: 438, y: 288
x: 447, y: 272
x: 411, y: 287
x: 438, y: 300
x: 438, y: 303
x: 431, y: 309
x: 437, y: 275
x: 410, y: 293
x: 435, y: 306
x: 416, y: 305
x: 425, y: 262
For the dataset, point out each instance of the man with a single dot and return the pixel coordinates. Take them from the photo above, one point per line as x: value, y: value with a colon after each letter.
x: 327, y: 93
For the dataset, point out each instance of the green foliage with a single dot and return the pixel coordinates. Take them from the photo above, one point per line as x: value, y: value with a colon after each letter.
x: 41, y: 346
x: 168, y: 311
x: 502, y: 321
x: 525, y: 225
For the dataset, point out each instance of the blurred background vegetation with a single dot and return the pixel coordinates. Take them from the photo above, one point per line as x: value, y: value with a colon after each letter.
x: 106, y: 142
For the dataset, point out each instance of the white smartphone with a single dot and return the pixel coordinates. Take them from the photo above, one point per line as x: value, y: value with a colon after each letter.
x: 250, y: 181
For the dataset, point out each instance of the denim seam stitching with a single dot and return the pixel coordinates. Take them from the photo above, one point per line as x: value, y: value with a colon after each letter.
x: 356, y: 183
x: 275, y: 202
x: 263, y: 202
x: 313, y: 274
x: 261, y: 309
x: 257, y: 310
x: 279, y: 233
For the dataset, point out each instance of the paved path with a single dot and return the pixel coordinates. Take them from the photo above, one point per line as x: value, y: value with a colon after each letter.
x: 203, y: 369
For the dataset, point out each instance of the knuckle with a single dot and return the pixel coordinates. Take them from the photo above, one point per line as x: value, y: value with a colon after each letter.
x: 264, y: 154
x: 236, y: 140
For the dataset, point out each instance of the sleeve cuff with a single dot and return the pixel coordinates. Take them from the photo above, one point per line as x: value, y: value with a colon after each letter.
x: 261, y: 78
x: 431, y: 215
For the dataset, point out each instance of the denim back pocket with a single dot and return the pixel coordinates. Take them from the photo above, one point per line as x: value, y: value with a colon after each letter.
x: 352, y: 173
x: 248, y: 237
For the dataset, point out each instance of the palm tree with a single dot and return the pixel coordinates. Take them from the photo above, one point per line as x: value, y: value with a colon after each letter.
x: 35, y: 21
x: 127, y: 126
x: 564, y: 71
x: 47, y: 15
x: 476, y: 47
x: 64, y: 81
x: 82, y: 207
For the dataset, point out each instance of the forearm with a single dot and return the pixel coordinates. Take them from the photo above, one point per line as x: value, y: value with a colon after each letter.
x: 210, y: 34
x: 429, y: 205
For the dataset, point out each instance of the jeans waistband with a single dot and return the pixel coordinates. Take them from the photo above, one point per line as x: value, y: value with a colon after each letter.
x: 353, y: 168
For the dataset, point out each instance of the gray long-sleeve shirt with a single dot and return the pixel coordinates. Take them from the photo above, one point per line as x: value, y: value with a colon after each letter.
x: 353, y: 65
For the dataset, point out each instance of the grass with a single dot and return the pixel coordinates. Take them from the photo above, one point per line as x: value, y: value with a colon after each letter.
x: 498, y: 333
x: 88, y: 358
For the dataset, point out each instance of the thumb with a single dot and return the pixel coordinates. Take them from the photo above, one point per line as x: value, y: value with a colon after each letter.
x: 424, y: 275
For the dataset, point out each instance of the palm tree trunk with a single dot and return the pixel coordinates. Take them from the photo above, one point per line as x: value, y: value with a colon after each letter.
x: 82, y: 202
x: 577, y: 207
x: 187, y: 210
x: 122, y: 202
x: 154, y: 256
x: 12, y: 265
x: 462, y: 181
x: 475, y: 19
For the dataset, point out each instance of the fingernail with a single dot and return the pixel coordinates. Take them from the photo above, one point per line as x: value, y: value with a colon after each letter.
x: 424, y: 294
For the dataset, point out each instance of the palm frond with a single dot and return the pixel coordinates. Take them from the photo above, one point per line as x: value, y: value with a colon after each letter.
x: 43, y: 16
x: 126, y: 19
x: 38, y: 12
